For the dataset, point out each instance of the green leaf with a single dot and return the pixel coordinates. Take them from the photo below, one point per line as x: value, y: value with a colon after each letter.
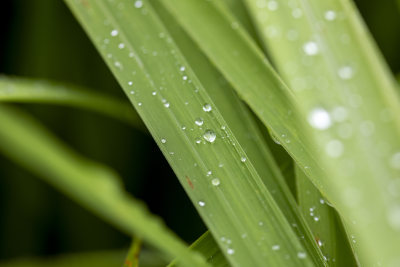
x: 207, y: 246
x: 324, y: 52
x: 93, y: 186
x: 324, y: 223
x: 132, y: 259
x: 22, y: 90
x: 232, y: 199
x: 245, y: 129
x: 346, y: 180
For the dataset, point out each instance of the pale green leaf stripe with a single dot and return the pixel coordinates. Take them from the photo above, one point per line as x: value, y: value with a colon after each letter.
x: 23, y: 90
x: 324, y: 52
x: 90, y: 184
x: 245, y: 130
x: 207, y: 246
x: 324, y: 223
x: 232, y: 199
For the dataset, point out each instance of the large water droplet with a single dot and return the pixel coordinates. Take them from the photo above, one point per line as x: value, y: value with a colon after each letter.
x: 311, y: 48
x: 207, y: 107
x: 199, y: 121
x: 210, y: 136
x: 114, y: 33
x: 319, y: 119
x: 215, y: 182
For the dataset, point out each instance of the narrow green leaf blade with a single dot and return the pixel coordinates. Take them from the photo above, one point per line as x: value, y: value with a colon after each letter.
x: 22, y: 90
x: 93, y: 186
x: 232, y: 200
x: 325, y: 53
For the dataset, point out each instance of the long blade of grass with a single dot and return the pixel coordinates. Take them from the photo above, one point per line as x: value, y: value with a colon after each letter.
x: 244, y: 128
x: 22, y: 90
x: 92, y: 185
x: 132, y: 259
x: 324, y: 52
x: 356, y: 156
x: 324, y: 223
x: 232, y: 199
x: 207, y: 246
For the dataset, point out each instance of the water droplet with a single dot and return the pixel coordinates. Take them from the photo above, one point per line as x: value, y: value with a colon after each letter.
x: 316, y: 218
x: 185, y: 77
x: 215, y: 182
x: 319, y: 243
x: 322, y: 201
x: 394, y: 217
x: 166, y: 104
x: 311, y: 48
x: 121, y: 46
x: 243, y: 159
x: 209, y: 173
x: 130, y: 83
x: 319, y: 119
x: 301, y: 255
x: 138, y: 3
x: 276, y: 247
x: 132, y: 92
x: 339, y: 114
x: 230, y: 251
x: 334, y: 148
x: 209, y: 136
x: 297, y: 13
x: 330, y: 15
x: 198, y: 140
x: 140, y: 104
x: 182, y: 68
x: 114, y: 33
x: 154, y: 93
x: 345, y: 72
x: 118, y: 65
x: 272, y: 5
x: 202, y: 203
x: 163, y: 140
x: 207, y: 107
x: 199, y: 121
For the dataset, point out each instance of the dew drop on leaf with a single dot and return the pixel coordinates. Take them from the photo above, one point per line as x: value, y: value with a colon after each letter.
x: 215, y: 182
x: 319, y: 119
x: 207, y: 107
x: 209, y: 136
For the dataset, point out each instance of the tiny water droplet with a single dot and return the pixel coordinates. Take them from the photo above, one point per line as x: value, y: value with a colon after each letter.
x: 202, y: 203
x: 301, y: 255
x: 138, y: 3
x: 182, y: 68
x: 243, y: 159
x: 114, y: 33
x: 209, y: 136
x: 199, y: 121
x: 215, y: 182
x: 184, y: 77
x: 130, y: 83
x: 140, y: 104
x: 330, y: 15
x: 207, y: 107
x: 334, y: 148
x: 121, y: 45
x: 276, y: 247
x: 154, y: 93
x: 166, y: 104
x: 132, y: 92
x: 230, y: 251
x: 345, y: 72
x: 163, y: 140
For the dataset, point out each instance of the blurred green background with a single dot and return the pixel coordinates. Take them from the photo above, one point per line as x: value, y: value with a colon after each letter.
x: 41, y: 39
